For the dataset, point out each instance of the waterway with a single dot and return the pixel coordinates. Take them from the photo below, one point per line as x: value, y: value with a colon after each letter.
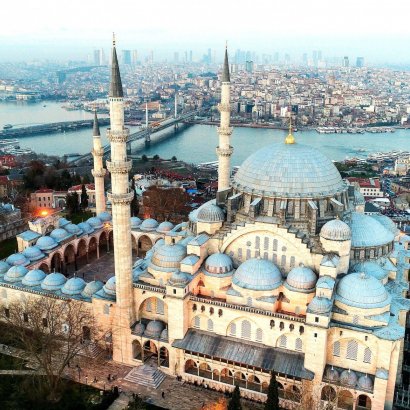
x: 193, y: 144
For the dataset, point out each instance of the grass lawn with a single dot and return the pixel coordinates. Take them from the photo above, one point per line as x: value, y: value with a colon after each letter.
x: 7, y: 247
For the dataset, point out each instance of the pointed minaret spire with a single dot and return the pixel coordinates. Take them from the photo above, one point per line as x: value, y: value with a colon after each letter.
x: 226, y: 78
x: 96, y: 127
x: 290, y: 139
x: 116, y: 85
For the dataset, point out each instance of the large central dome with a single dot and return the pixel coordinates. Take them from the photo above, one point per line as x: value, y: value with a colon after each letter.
x: 288, y: 170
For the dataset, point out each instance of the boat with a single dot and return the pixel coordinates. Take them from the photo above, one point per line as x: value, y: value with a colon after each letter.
x: 7, y: 126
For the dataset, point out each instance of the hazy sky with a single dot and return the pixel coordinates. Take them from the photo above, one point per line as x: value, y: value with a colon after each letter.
x: 376, y: 29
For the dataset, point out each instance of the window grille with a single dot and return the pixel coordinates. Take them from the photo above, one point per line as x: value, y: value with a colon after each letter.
x: 248, y: 254
x: 352, y: 350
x: 197, y: 322
x: 283, y: 260
x: 275, y: 244
x: 246, y: 330
x: 210, y: 325
x: 292, y: 262
x: 148, y: 306
x: 266, y: 243
x: 160, y: 307
x: 259, y: 335
x: 336, y: 349
x: 249, y: 301
x: 283, y: 341
x: 106, y: 309
x: 298, y: 344
x: 232, y: 329
x: 355, y: 319
x: 367, y: 355
x: 257, y: 242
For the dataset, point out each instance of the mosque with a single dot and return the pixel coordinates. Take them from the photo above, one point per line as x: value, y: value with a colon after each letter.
x: 282, y: 272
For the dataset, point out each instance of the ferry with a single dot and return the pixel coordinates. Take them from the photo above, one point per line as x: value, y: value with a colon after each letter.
x: 7, y: 126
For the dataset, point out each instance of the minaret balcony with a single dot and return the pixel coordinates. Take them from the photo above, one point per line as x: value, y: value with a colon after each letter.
x: 119, y: 167
x: 98, y: 152
x: 120, y: 199
x: 224, y: 152
x: 225, y: 130
x: 98, y: 173
x: 224, y: 107
x: 118, y: 136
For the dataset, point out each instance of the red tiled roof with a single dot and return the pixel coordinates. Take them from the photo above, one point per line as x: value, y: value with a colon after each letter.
x: 43, y: 191
x: 78, y: 187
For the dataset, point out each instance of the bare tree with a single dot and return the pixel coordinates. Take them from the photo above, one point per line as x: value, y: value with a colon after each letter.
x: 52, y: 333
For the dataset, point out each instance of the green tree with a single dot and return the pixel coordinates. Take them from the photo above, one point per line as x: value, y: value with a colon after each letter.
x: 136, y: 403
x: 144, y: 158
x: 72, y: 203
x: 235, y: 402
x: 174, y: 158
x: 84, y: 198
x: 135, y: 206
x: 155, y: 157
x: 272, y: 401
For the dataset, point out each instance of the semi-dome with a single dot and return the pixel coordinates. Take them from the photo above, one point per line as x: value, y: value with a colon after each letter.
x: 62, y: 222
x: 139, y: 329
x: 73, y: 229
x: 33, y: 253
x: 149, y: 225
x: 110, y: 286
x: 362, y: 291
x: 59, y: 234
x: 33, y: 277
x: 288, y: 170
x: 348, y: 378
x: 388, y: 223
x: 95, y: 222
x: 45, y: 243
x: 165, y: 226
x: 17, y: 259
x: 135, y: 222
x: 210, y: 213
x: 53, y: 281
x: 74, y: 286
x: 15, y: 273
x: 168, y: 256
x: 4, y: 267
x: 86, y: 227
x: 179, y: 278
x: 371, y: 268
x: 332, y: 374
x: 91, y: 288
x: 365, y: 383
x: 367, y: 232
x: 218, y: 263
x: 164, y: 334
x: 336, y: 230
x: 257, y: 274
x: 319, y: 305
x: 154, y: 329
x: 301, y: 278
x: 104, y: 216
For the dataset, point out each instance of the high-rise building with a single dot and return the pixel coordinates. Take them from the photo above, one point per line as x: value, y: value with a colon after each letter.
x: 305, y: 59
x: 99, y: 57
x: 249, y: 66
x: 360, y: 62
x: 345, y: 61
x: 126, y: 57
x: 134, y: 57
x: 190, y: 56
x: 176, y: 57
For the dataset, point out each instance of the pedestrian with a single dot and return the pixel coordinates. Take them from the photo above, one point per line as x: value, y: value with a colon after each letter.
x: 109, y: 377
x: 95, y: 379
x: 163, y: 394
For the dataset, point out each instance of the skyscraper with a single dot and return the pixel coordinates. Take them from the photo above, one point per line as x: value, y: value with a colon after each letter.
x: 126, y: 57
x: 345, y: 61
x: 176, y: 57
x: 134, y: 56
x: 360, y: 62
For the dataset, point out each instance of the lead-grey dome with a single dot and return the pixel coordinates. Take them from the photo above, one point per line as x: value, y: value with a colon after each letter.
x: 332, y: 374
x: 91, y: 288
x: 33, y: 253
x: 371, y: 268
x: 362, y: 291
x: 319, y: 305
x: 135, y: 222
x: 179, y: 278
x: 301, y: 278
x: 110, y: 286
x: 149, y: 225
x: 139, y: 329
x: 336, y: 230
x: 73, y: 229
x: 168, y: 256
x: 15, y: 273
x: 218, y: 264
x: 210, y: 213
x: 165, y: 226
x: 348, y: 378
x: 73, y: 286
x: 33, y: 277
x: 365, y: 383
x: 289, y: 170
x: 386, y: 222
x: 154, y: 329
x: 257, y: 274
x: 86, y: 227
x: 17, y: 259
x: 53, y: 281
x: 4, y: 267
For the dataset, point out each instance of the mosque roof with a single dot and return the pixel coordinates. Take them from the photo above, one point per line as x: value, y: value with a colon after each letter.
x: 149, y: 225
x: 165, y: 226
x: 46, y: 243
x: 15, y: 273
x: 325, y: 282
x: 86, y: 227
x: 168, y: 256
x: 371, y: 268
x: 59, y: 234
x: 62, y: 222
x: 73, y: 229
x: 319, y: 305
x: 388, y: 223
x: 28, y: 235
x: 301, y: 278
x: 336, y: 230
x: 4, y: 267
x: 74, y: 286
x: 135, y: 222
x: 288, y: 170
x: 33, y: 253
x: 218, y: 263
x: 17, y: 259
x: 154, y: 329
x: 110, y: 286
x: 210, y: 213
x: 104, y: 216
x: 33, y: 277
x: 95, y: 222
x: 91, y: 288
x: 53, y: 281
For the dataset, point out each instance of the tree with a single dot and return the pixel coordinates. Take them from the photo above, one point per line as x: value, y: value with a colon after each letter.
x: 84, y: 198
x: 72, y: 203
x: 272, y: 401
x: 174, y: 158
x: 52, y: 333
x: 144, y: 158
x: 235, y: 402
x: 135, y: 207
x: 136, y: 403
x: 155, y: 157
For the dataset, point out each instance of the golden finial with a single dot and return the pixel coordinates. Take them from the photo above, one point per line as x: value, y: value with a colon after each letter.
x: 290, y: 139
x: 113, y: 39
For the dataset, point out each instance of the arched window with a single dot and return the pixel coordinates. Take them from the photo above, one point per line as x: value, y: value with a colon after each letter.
x: 275, y: 244
x: 257, y: 242
x: 266, y: 243
x: 148, y: 305
x: 355, y: 319
x: 248, y: 254
x: 246, y: 330
x: 232, y: 329
x: 336, y: 349
x: 210, y: 325
x: 298, y: 344
x: 284, y: 249
x: 249, y: 301
x: 259, y: 335
x: 367, y: 357
x: 240, y: 253
x: 351, y: 352
x: 160, y: 307
x: 292, y: 261
x: 283, y: 341
x: 283, y: 260
x: 265, y: 255
x: 275, y: 258
x: 197, y: 322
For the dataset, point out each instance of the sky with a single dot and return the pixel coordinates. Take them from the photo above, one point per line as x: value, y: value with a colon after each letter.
x: 71, y: 29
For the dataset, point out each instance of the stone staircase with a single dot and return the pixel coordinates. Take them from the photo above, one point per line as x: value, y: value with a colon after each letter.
x: 146, y: 375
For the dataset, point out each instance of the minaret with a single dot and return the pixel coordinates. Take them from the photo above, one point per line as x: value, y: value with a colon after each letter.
x: 98, y: 171
x: 120, y: 198
x: 224, y: 150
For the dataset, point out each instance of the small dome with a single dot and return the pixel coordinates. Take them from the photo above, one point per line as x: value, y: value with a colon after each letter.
x: 86, y: 227
x: 164, y: 334
x: 15, y: 273
x: 320, y: 305
x: 46, y: 243
x: 165, y: 227
x: 135, y: 222
x: 348, y: 378
x: 336, y: 230
x: 104, y: 216
x: 301, y: 278
x: 73, y: 229
x: 257, y: 274
x: 371, y: 268
x: 91, y: 288
x: 53, y: 281
x: 4, y: 267
x: 367, y: 232
x: 110, y: 286
x: 365, y: 383
x: 139, y: 329
x: 362, y: 290
x: 149, y: 225
x: 332, y: 374
x: 154, y: 329
x: 59, y: 234
x: 33, y: 278
x: 168, y: 256
x: 179, y: 278
x: 218, y: 263
x: 95, y: 222
x: 62, y: 222
x: 33, y: 253
x: 74, y: 286
x: 17, y: 259
x: 210, y: 213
